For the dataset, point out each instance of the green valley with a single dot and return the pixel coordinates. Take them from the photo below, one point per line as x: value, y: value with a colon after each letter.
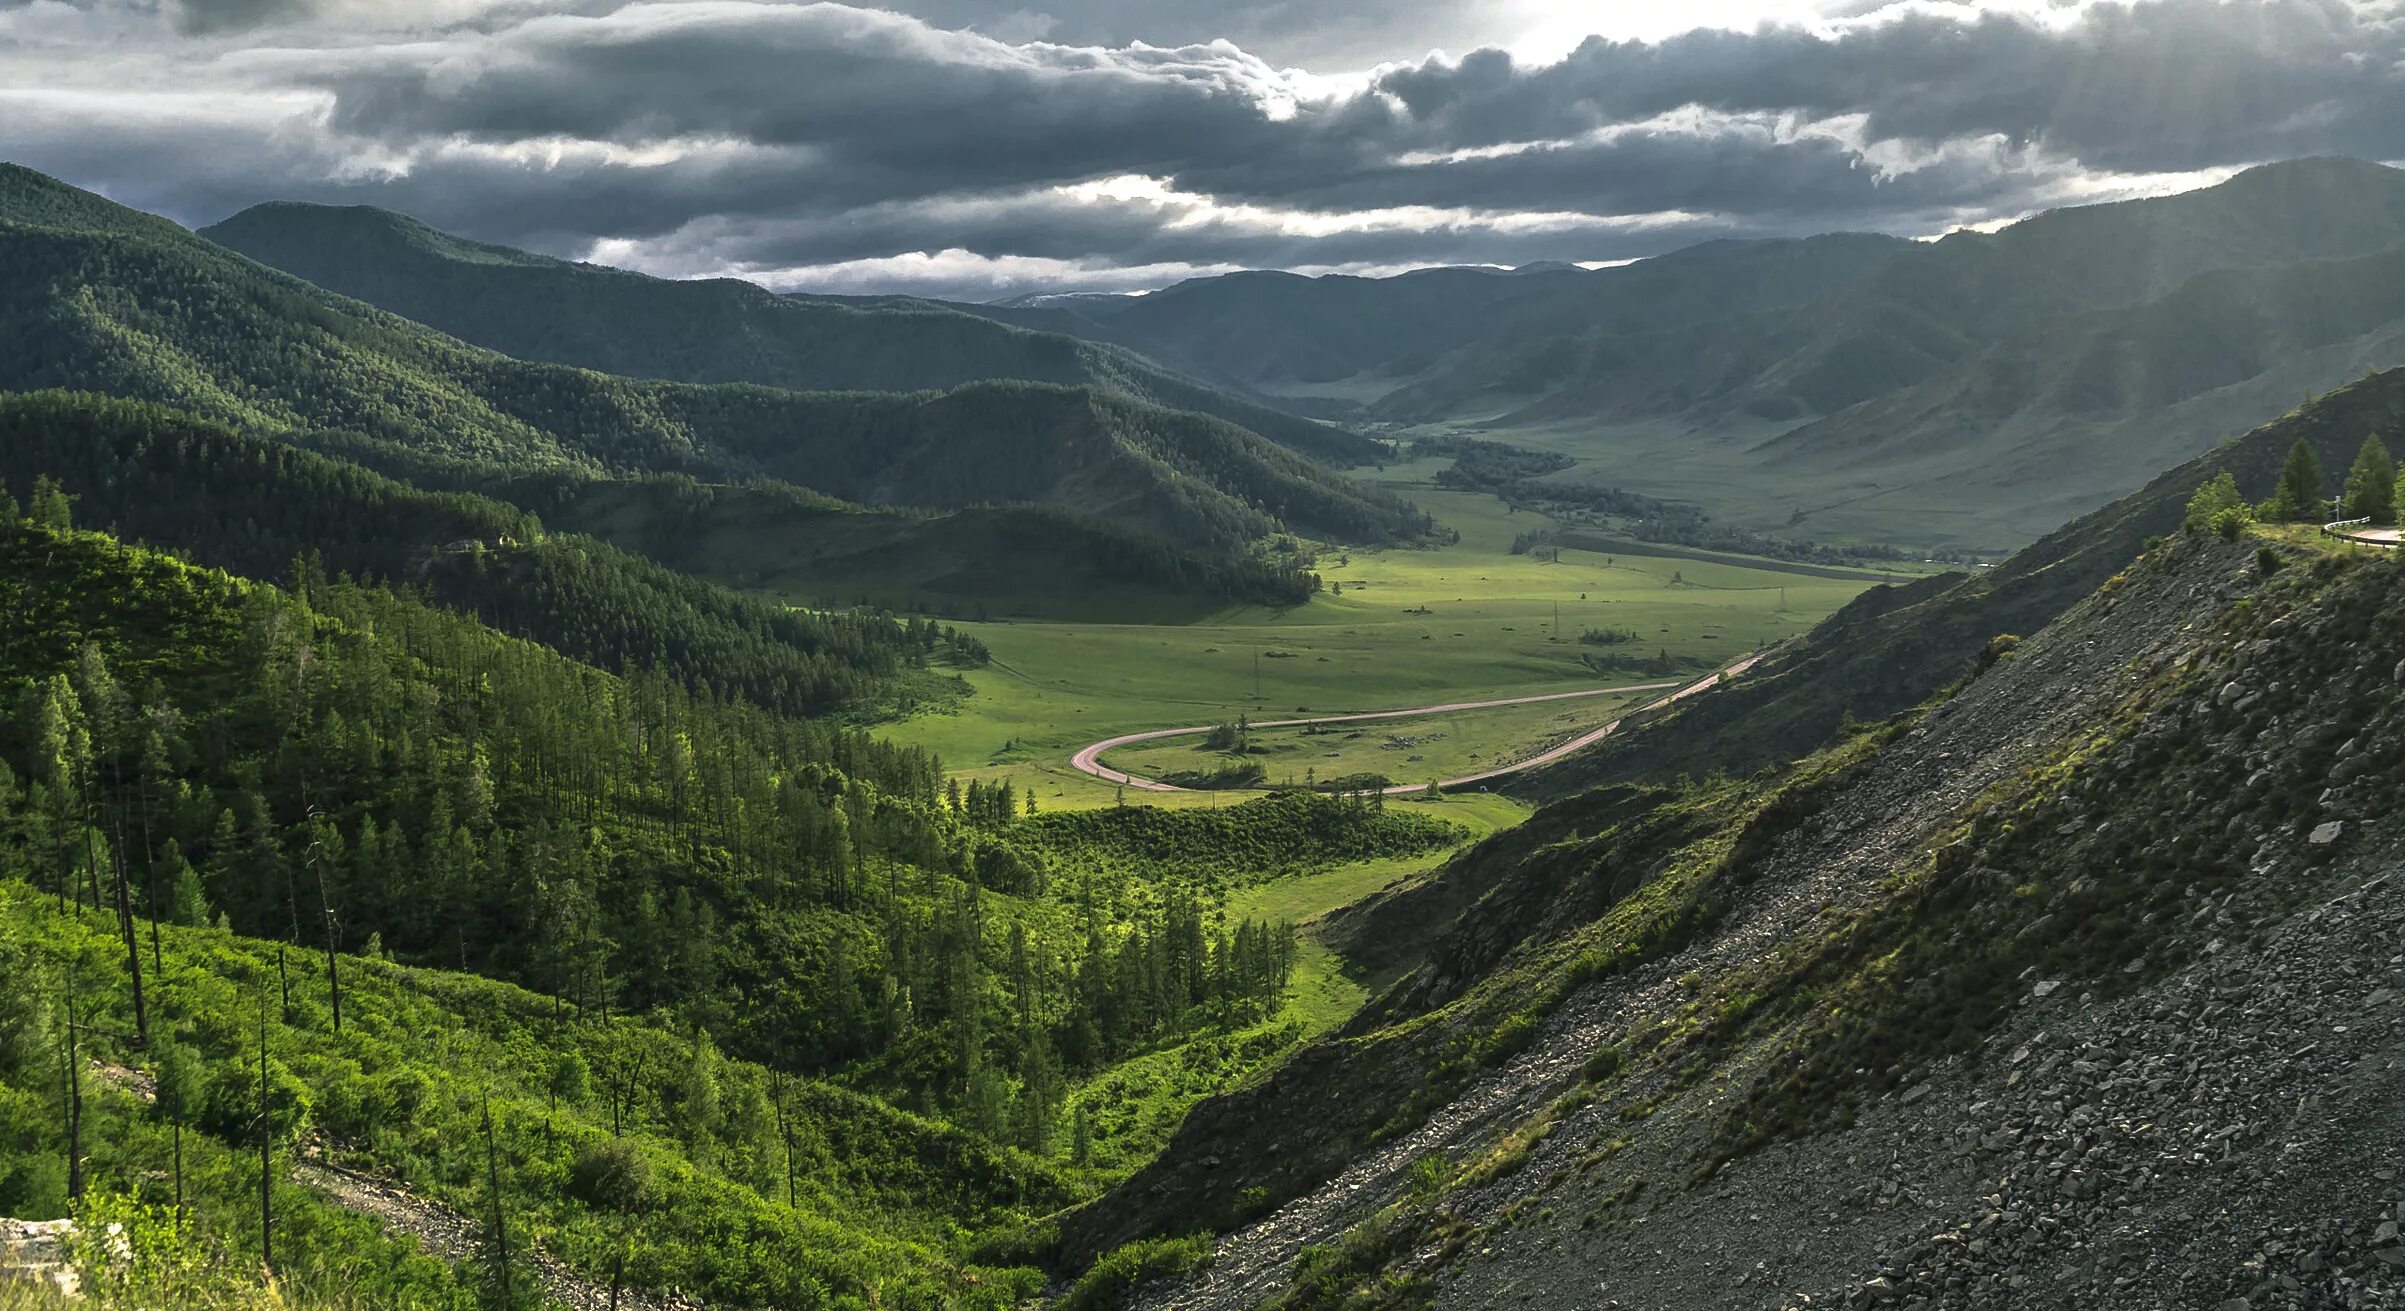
x: 1390, y: 629
x: 1445, y: 695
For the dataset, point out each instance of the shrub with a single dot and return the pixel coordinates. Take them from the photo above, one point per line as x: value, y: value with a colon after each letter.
x: 611, y: 1174
x: 1124, y: 1268
x: 230, y: 1108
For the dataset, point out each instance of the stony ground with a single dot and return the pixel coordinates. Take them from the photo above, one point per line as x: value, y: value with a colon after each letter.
x: 2229, y: 1137
x: 35, y: 1251
x: 446, y: 1233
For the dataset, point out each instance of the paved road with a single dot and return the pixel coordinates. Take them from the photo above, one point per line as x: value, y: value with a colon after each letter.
x: 1088, y: 760
x: 2369, y: 536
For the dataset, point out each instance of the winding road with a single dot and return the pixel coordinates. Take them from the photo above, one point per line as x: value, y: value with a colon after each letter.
x: 1089, y: 759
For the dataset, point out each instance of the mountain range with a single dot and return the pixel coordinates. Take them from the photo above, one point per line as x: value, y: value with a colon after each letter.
x: 1851, y: 387
x: 117, y: 302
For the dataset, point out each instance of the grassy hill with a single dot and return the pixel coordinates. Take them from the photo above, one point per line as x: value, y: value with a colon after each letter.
x: 108, y: 301
x: 721, y: 330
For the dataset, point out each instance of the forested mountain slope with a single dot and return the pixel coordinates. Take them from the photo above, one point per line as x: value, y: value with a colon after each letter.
x: 483, y: 802
x: 104, y: 301
x: 978, y: 562
x: 537, y: 308
x: 631, y: 1152
x: 263, y: 509
x: 2071, y: 987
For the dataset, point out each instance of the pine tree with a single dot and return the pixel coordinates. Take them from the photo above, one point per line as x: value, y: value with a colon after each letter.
x: 177, y: 1071
x: 51, y: 507
x: 2372, y: 484
x: 2298, y: 496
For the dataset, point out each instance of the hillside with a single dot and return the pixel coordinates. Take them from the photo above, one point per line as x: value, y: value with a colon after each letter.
x: 616, y: 1140
x: 721, y: 330
x: 266, y: 510
x: 112, y: 304
x: 1895, y: 646
x: 983, y: 562
x: 2069, y: 987
x: 1973, y: 391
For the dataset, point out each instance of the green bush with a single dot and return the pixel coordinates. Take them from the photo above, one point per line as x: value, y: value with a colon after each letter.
x: 613, y: 1175
x: 230, y: 1107
x: 1124, y: 1269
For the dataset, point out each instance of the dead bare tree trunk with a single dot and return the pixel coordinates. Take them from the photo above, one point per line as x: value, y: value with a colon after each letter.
x: 75, y: 1096
x: 492, y: 1164
x: 267, y: 1251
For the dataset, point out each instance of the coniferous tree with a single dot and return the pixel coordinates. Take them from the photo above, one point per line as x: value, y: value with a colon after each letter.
x: 51, y: 507
x: 2299, y: 494
x: 2217, y: 498
x: 2371, y: 488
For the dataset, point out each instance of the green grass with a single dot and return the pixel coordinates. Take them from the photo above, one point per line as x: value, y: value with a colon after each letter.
x: 1489, y: 633
x: 1135, y: 1105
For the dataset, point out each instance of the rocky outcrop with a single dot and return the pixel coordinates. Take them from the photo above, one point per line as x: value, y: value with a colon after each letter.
x: 38, y: 1252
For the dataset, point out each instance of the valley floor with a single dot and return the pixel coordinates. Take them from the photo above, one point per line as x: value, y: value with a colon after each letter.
x: 1396, y: 628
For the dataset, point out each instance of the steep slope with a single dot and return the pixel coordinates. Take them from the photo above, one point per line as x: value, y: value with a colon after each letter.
x: 612, y: 1175
x: 2074, y: 988
x: 536, y: 308
x: 169, y: 317
x: 261, y: 509
x: 1894, y: 646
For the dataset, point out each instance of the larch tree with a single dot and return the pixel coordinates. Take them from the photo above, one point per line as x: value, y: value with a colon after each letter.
x: 2298, y: 496
x: 2371, y: 491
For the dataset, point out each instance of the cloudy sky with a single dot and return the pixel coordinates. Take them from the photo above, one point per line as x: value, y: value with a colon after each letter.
x: 980, y: 148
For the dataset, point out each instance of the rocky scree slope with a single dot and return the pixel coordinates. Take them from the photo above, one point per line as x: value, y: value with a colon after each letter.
x: 2077, y: 988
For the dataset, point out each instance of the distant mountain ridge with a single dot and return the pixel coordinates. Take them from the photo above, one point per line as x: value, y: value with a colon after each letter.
x: 1974, y: 390
x: 719, y: 330
x: 106, y: 299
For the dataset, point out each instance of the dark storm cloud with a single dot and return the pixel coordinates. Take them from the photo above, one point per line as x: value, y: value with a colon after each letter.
x: 770, y: 136
x: 886, y: 96
x: 237, y: 15
x: 2176, y: 84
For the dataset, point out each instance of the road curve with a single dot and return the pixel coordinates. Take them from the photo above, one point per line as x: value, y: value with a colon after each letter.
x: 1089, y: 759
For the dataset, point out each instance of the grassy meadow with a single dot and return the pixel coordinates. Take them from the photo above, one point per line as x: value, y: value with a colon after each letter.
x: 1395, y: 629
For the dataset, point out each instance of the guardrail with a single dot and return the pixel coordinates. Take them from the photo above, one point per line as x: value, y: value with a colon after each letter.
x: 2331, y: 529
